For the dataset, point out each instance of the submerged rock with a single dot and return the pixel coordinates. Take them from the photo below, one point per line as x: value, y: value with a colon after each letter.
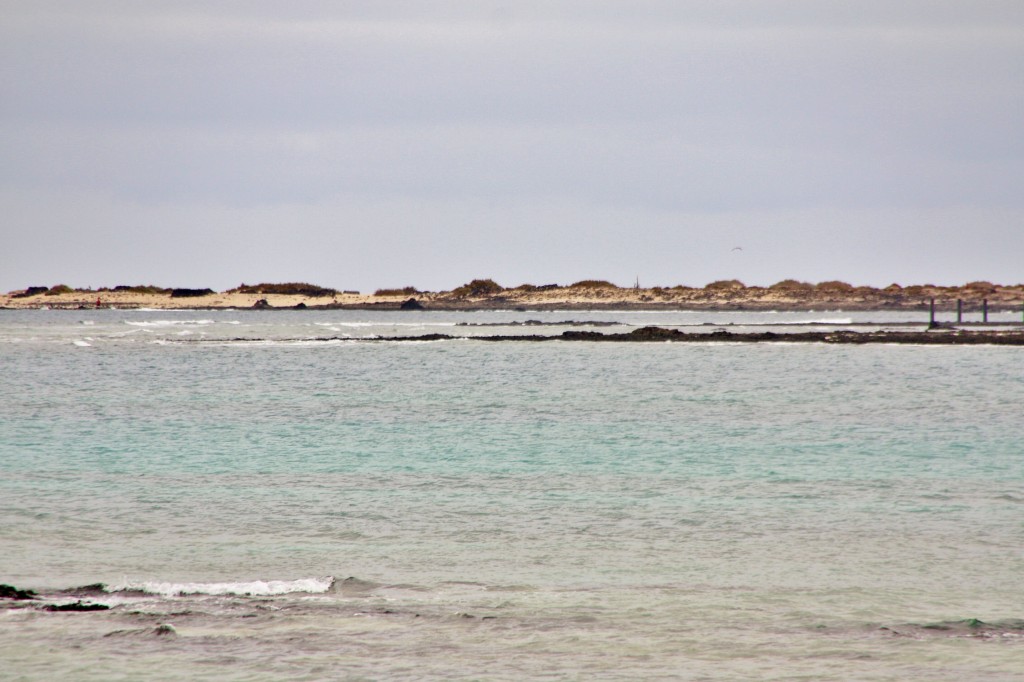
x: 353, y: 586
x: 91, y: 590
x: 161, y: 630
x: 11, y: 592
x: 967, y: 627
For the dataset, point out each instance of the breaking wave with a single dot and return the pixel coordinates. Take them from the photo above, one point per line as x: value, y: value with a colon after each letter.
x: 259, y: 588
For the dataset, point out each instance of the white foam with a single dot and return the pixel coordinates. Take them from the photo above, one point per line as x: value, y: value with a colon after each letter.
x: 172, y: 323
x: 132, y: 331
x: 386, y: 324
x: 254, y: 588
x: 570, y: 311
x: 837, y: 320
x: 83, y: 344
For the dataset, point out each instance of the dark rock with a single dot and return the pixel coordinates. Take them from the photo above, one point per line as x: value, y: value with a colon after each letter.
x: 11, y: 592
x: 584, y: 336
x: 411, y: 304
x: 261, y: 304
x: 655, y: 334
x: 76, y: 606
x: 299, y: 306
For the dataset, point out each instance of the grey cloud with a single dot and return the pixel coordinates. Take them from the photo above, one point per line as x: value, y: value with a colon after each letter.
x: 690, y: 122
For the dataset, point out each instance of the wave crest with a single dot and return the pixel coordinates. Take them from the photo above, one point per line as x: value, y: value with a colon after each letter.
x: 259, y: 588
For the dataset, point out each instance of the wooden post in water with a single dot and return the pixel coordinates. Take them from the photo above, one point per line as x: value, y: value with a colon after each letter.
x: 931, y: 314
x: 984, y: 310
x: 959, y: 310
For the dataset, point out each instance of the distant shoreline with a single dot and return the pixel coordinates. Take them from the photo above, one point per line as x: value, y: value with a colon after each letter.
x: 482, y: 295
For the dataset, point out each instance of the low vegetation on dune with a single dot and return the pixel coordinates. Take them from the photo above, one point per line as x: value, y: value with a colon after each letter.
x: 981, y: 287
x: 478, y: 287
x: 32, y: 291
x: 791, y: 285
x: 286, y: 289
x: 834, y: 286
x: 404, y: 291
x: 148, y: 289
x: 529, y: 288
x: 592, y: 284
x: 725, y: 285
x: 191, y: 293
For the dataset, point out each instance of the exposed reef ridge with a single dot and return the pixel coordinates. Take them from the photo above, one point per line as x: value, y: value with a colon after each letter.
x: 661, y: 335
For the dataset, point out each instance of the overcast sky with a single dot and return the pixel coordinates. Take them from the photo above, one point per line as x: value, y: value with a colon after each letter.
x: 375, y: 144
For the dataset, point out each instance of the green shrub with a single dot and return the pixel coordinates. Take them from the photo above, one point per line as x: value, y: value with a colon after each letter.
x: 60, y: 289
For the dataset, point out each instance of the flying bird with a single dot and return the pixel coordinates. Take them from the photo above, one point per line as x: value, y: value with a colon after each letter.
x: 737, y: 248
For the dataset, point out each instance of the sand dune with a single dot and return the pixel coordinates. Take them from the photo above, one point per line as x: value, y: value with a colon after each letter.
x: 731, y: 296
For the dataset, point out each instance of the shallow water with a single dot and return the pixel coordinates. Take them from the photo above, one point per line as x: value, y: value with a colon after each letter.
x: 608, y: 511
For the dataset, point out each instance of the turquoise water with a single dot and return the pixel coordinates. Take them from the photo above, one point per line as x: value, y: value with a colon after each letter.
x: 559, y: 510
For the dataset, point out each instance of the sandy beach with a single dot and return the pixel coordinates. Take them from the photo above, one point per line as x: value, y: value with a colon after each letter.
x: 485, y: 295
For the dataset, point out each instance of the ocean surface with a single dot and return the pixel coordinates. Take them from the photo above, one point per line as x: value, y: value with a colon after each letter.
x: 275, y: 495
